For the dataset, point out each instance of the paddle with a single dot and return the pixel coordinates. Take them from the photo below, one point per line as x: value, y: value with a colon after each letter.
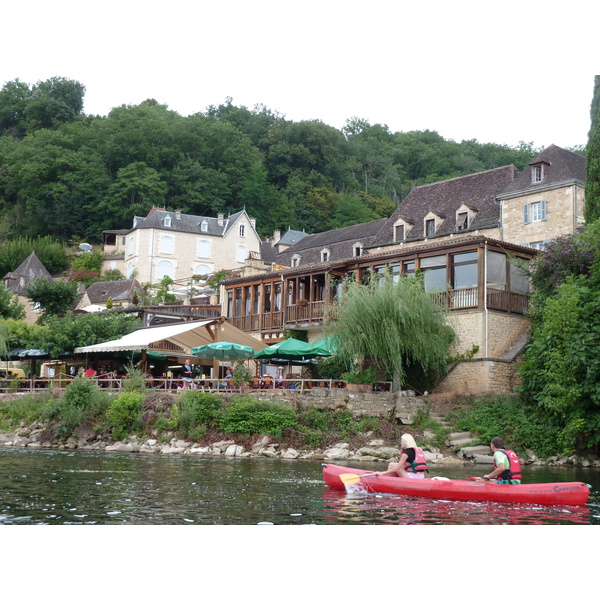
x: 352, y: 479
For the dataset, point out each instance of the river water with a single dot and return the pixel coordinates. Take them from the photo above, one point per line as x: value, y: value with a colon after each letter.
x: 98, y: 488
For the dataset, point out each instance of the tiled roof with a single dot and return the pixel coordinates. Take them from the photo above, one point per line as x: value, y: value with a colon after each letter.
x: 560, y: 165
x: 183, y: 223
x: 29, y: 270
x: 339, y: 242
x: 477, y: 191
x: 101, y: 291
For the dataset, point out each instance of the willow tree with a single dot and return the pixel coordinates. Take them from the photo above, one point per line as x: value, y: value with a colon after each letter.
x: 393, y: 324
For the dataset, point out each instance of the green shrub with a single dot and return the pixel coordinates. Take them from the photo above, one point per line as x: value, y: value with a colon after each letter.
x: 83, y: 401
x: 134, y: 381
x: 250, y: 416
x: 25, y: 410
x: 197, y: 408
x: 124, y: 414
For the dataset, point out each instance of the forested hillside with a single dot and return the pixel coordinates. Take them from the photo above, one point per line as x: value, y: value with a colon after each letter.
x: 71, y: 175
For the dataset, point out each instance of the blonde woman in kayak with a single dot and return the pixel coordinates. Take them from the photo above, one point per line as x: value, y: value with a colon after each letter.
x: 412, y: 462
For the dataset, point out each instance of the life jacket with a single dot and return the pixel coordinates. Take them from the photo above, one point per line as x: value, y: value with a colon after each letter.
x: 419, y: 464
x: 514, y: 469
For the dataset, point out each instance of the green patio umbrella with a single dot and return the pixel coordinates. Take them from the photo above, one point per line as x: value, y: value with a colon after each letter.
x: 223, y: 351
x: 289, y: 349
x: 324, y: 346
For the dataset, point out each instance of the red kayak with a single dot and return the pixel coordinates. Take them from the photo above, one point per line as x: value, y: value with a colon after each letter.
x: 573, y: 493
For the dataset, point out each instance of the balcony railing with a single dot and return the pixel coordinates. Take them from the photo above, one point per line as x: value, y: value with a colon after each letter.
x: 312, y: 313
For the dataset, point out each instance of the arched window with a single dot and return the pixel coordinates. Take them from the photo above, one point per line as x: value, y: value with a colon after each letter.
x: 203, y: 249
x: 166, y: 244
x: 164, y: 269
x: 202, y: 270
x: 167, y: 221
x: 131, y: 244
x: 242, y: 230
x: 130, y: 270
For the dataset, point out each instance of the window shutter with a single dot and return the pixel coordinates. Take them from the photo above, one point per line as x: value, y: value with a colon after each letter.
x: 526, y: 214
x: 543, y: 207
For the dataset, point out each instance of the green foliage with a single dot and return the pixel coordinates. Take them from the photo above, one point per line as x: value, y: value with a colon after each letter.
x: 10, y: 307
x: 89, y: 261
x: 83, y: 402
x: 241, y: 374
x: 197, y: 410
x: 51, y: 253
x: 124, y: 414
x: 54, y: 297
x: 24, y: 410
x: 393, y: 324
x: 248, y: 416
x: 134, y: 381
x: 519, y: 423
x: 366, y: 376
x: 592, y: 181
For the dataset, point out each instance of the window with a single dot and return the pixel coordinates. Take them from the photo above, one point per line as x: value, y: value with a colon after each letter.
x: 537, y: 245
x: 167, y: 221
x: 399, y: 233
x: 357, y: 250
x: 166, y: 244
x: 462, y: 221
x: 202, y: 270
x: 203, y: 249
x: 536, y: 173
x: 325, y: 254
x: 204, y: 226
x: 429, y: 227
x: 242, y: 230
x: 240, y: 255
x: 131, y: 244
x: 164, y: 269
x: 536, y: 211
x: 464, y: 270
x: 434, y: 273
x: 296, y: 260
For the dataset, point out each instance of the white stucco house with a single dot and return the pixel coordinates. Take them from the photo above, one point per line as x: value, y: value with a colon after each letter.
x: 173, y: 244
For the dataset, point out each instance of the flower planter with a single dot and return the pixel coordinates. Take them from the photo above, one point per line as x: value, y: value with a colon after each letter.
x: 359, y: 387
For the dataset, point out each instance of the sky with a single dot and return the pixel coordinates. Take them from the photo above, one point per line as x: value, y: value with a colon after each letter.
x: 493, y: 72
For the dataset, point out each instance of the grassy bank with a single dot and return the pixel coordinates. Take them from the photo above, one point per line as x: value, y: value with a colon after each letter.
x: 84, y: 409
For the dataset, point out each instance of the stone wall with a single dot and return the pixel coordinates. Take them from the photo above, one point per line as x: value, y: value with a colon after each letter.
x: 402, y: 405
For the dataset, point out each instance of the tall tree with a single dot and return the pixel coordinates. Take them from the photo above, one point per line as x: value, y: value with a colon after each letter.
x: 592, y: 184
x: 394, y: 324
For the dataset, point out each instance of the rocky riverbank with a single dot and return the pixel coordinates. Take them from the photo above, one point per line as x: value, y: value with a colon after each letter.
x: 33, y: 437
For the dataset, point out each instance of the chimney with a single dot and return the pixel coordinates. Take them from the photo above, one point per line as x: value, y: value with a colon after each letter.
x: 253, y: 223
x: 178, y: 215
x: 276, y: 236
x: 220, y: 217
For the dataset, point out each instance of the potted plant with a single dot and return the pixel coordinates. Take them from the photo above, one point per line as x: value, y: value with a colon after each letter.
x: 360, y: 380
x: 302, y: 302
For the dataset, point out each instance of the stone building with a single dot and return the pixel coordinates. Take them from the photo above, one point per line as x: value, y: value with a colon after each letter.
x: 470, y: 236
x: 179, y: 246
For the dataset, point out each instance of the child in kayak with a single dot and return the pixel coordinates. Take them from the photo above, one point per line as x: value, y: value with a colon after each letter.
x: 412, y: 461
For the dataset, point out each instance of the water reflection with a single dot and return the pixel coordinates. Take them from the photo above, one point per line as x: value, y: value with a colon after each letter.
x: 360, y: 507
x: 53, y: 487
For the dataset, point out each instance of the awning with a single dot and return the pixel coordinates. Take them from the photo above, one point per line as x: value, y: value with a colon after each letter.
x: 187, y: 335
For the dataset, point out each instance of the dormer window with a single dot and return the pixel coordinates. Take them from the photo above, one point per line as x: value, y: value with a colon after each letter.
x: 325, y: 255
x: 296, y: 260
x: 167, y: 221
x: 204, y: 226
x: 429, y: 227
x: 399, y: 233
x: 537, y: 173
x: 462, y: 221
x: 357, y: 250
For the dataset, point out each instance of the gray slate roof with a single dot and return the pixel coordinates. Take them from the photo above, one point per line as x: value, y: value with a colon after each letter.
x: 560, y: 166
x: 101, y: 291
x: 185, y: 223
x: 29, y: 270
x: 477, y: 191
x: 291, y: 237
x: 339, y: 242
